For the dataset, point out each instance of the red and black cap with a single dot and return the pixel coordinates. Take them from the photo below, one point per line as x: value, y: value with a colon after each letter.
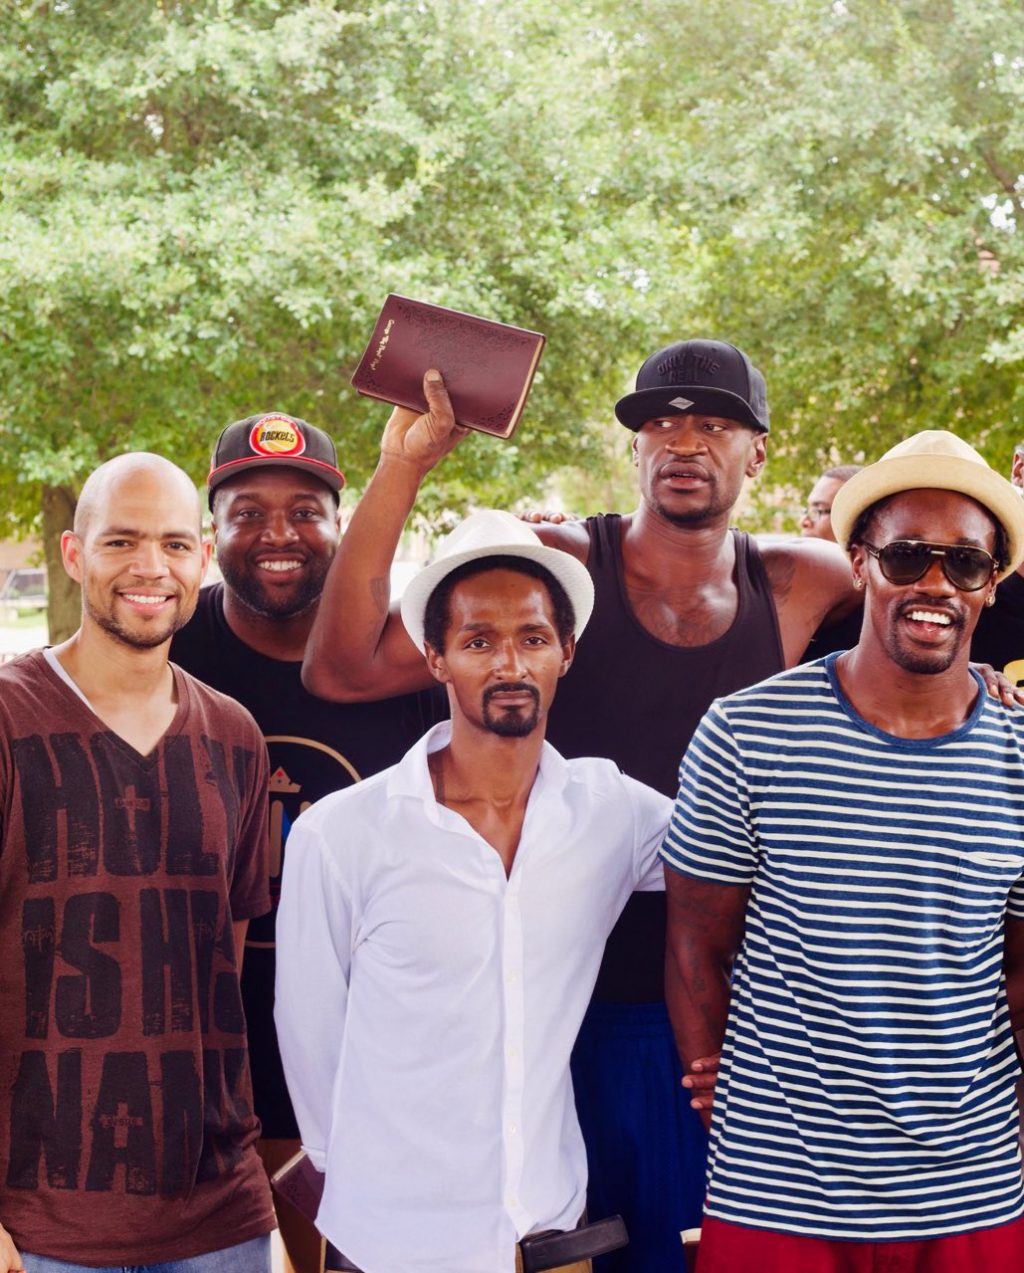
x: 704, y: 376
x: 274, y: 439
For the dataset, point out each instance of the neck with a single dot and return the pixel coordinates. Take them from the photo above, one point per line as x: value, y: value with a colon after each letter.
x: 480, y: 766
x: 277, y: 638
x: 103, y: 667
x: 662, y: 548
x: 907, y: 704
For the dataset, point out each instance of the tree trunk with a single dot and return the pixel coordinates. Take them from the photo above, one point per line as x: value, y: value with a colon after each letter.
x: 63, y: 606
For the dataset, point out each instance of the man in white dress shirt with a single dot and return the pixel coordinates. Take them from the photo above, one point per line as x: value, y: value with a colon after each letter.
x: 441, y: 928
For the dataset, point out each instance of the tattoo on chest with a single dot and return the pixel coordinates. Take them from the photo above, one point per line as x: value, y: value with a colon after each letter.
x: 684, y: 617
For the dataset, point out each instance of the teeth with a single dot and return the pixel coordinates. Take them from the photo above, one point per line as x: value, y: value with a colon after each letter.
x: 280, y: 567
x: 144, y: 598
x: 930, y: 616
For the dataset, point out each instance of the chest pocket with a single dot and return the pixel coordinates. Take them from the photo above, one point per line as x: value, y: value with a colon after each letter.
x: 983, y: 881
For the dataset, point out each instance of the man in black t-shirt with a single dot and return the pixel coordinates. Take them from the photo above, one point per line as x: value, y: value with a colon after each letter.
x: 274, y: 485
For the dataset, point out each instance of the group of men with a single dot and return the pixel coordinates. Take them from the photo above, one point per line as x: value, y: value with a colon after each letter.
x: 843, y: 866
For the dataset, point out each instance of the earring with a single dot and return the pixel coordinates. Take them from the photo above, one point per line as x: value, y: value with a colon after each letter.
x: 990, y: 600
x: 858, y: 583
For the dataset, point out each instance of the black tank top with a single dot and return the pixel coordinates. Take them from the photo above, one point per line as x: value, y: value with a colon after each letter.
x: 637, y: 700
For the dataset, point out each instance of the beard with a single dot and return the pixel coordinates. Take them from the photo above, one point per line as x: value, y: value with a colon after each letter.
x: 137, y: 640
x: 923, y: 662
x: 249, y: 589
x: 511, y: 722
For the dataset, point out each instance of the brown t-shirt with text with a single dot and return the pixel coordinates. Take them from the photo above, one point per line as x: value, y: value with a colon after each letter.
x: 126, y: 1125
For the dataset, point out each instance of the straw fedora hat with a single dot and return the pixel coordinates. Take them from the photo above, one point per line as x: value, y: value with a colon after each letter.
x: 934, y: 459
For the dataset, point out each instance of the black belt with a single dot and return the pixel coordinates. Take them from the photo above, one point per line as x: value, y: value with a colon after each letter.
x: 540, y: 1250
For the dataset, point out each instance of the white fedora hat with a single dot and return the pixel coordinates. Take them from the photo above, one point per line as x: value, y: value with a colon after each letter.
x: 934, y: 459
x: 495, y: 534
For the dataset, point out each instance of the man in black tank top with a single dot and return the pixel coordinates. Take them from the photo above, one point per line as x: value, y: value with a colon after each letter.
x: 686, y: 610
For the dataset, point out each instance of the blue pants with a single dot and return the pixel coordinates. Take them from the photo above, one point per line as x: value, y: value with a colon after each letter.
x: 646, y: 1149
x: 247, y: 1257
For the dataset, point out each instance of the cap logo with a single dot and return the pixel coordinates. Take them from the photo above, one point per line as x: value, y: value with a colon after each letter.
x: 690, y: 364
x: 682, y: 403
x: 276, y: 435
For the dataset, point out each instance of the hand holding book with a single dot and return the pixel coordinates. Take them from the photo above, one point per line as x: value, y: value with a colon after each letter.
x: 423, y: 440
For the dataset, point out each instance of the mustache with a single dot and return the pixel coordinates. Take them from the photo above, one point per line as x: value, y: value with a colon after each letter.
x: 511, y: 687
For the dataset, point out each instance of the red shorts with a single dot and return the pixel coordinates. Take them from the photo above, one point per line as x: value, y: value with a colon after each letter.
x: 733, y: 1248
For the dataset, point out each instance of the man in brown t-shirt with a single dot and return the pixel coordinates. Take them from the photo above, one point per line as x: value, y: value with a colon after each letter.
x: 132, y: 856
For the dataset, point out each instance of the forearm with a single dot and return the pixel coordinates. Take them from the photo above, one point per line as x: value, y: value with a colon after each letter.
x: 705, y: 928
x: 697, y: 990
x: 347, y: 648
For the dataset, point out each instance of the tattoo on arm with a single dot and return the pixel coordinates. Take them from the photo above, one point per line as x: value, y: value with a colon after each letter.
x: 380, y: 593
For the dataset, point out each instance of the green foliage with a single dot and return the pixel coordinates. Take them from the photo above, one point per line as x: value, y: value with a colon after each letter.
x: 203, y: 205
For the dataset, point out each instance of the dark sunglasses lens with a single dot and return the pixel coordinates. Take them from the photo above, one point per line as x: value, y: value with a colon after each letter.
x: 968, y: 568
x: 903, y: 562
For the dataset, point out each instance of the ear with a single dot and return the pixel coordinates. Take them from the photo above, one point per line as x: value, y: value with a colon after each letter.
x: 1017, y: 472
x: 859, y: 566
x: 206, y: 548
x: 436, y: 664
x: 71, y: 554
x: 758, y: 454
x: 633, y: 451
x: 568, y: 654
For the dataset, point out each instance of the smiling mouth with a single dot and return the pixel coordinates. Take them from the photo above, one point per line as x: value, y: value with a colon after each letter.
x: 146, y: 598
x: 931, y: 616
x: 278, y: 566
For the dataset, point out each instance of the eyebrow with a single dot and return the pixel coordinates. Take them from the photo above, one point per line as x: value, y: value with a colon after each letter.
x: 133, y: 532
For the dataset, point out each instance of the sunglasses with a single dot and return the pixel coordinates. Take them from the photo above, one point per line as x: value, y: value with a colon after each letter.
x: 906, y: 560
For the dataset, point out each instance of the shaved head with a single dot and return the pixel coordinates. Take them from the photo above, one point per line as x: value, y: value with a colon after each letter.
x: 125, y: 469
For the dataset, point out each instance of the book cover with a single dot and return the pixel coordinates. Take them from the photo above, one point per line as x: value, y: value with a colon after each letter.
x: 301, y: 1184
x: 487, y: 366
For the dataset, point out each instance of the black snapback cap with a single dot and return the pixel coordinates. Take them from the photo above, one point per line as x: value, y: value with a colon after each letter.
x: 705, y: 376
x: 278, y: 440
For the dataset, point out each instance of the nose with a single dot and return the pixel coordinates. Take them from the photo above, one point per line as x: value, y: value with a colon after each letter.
x: 806, y: 522
x: 148, y: 560
x: 278, y: 528
x: 508, y: 662
x: 934, y: 580
x: 687, y: 439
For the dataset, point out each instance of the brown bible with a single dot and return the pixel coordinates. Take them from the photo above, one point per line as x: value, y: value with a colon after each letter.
x: 299, y: 1183
x: 487, y: 366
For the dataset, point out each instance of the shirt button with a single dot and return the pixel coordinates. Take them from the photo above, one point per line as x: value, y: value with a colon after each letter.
x: 512, y: 1128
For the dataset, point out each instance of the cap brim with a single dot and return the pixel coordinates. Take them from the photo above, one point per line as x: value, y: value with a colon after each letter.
x: 635, y: 409
x: 933, y: 472
x: 570, y: 573
x: 327, y: 473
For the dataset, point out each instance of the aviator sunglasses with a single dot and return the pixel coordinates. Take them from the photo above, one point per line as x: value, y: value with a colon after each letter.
x: 906, y: 560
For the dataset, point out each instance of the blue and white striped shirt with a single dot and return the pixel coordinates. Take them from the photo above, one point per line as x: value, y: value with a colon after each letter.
x: 867, y: 1082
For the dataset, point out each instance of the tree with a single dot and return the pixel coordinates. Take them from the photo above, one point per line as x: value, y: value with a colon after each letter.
x: 204, y: 205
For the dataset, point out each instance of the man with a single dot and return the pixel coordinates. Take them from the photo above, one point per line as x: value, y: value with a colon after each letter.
x: 999, y: 636
x: 455, y: 909
x: 273, y: 489
x: 853, y: 830
x: 686, y: 610
x: 132, y: 857
x: 816, y: 522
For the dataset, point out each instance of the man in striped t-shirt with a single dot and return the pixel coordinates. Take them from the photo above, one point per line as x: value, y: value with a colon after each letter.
x: 846, y: 909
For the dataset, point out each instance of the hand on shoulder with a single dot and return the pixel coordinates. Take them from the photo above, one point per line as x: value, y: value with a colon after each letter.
x: 570, y: 537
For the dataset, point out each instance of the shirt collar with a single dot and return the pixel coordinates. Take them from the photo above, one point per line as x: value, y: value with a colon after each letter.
x: 411, y: 776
